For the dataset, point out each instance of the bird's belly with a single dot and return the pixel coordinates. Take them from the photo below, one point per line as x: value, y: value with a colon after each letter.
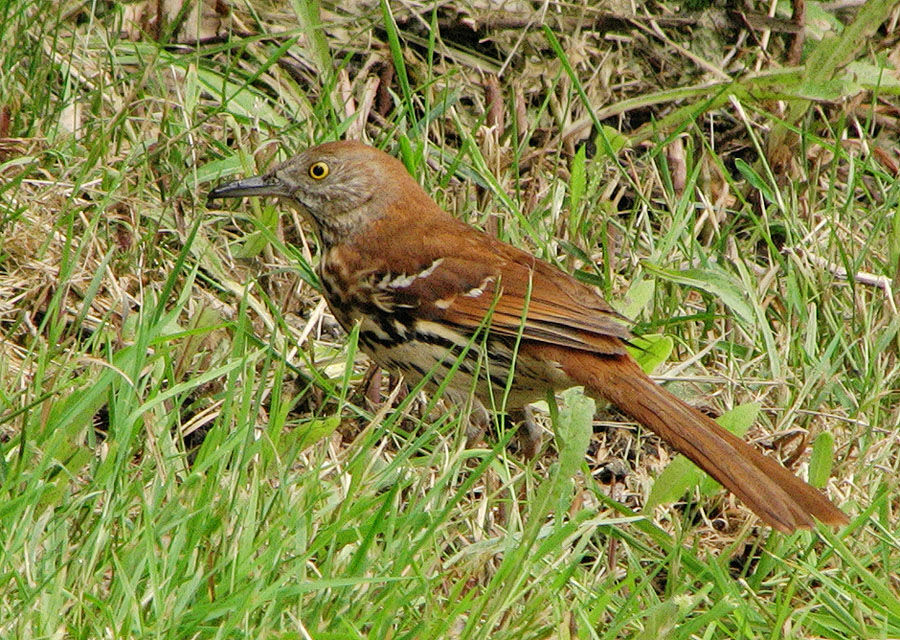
x: 460, y: 363
x: 439, y: 353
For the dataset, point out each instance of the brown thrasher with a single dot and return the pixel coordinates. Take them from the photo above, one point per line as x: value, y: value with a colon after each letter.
x: 424, y: 287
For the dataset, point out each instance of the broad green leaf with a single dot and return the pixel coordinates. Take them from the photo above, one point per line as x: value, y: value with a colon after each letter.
x: 715, y: 281
x: 869, y: 76
x: 614, y: 137
x: 222, y: 168
x: 756, y: 181
x: 577, y: 181
x: 573, y: 430
x: 651, y: 350
x: 659, y: 621
x: 315, y: 430
x: 822, y: 459
x: 636, y: 299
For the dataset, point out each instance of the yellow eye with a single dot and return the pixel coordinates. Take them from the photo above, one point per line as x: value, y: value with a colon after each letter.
x: 318, y: 170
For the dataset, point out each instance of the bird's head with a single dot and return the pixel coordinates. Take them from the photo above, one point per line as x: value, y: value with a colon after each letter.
x: 341, y: 186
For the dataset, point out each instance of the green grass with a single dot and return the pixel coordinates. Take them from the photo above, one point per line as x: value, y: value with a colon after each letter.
x: 186, y: 447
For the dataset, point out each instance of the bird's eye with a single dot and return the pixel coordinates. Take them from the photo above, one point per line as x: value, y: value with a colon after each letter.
x: 318, y: 170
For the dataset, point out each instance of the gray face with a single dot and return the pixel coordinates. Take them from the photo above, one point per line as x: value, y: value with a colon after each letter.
x: 327, y: 186
x: 337, y: 185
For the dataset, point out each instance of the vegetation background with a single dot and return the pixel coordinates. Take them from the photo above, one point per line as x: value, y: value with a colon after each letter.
x: 192, y: 449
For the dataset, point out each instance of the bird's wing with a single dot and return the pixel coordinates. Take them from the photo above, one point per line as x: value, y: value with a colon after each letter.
x: 469, y: 279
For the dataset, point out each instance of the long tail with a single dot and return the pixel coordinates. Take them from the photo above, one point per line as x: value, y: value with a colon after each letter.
x: 776, y: 495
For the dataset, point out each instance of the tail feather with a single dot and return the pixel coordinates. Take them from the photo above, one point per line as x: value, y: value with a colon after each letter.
x: 776, y: 495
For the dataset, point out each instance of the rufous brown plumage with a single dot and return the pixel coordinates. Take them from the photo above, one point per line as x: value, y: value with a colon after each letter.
x: 435, y: 297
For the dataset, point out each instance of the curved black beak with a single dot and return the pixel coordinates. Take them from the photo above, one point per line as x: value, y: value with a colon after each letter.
x: 256, y: 186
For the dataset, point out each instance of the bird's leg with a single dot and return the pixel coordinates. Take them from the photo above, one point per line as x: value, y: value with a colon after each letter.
x: 476, y: 417
x: 478, y: 422
x: 530, y: 432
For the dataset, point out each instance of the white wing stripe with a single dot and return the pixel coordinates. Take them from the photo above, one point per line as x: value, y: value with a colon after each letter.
x: 402, y: 281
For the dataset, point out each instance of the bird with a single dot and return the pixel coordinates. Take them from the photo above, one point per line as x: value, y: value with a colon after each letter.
x: 439, y: 300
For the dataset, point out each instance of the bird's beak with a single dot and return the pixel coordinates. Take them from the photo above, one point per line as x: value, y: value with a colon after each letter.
x: 256, y: 186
